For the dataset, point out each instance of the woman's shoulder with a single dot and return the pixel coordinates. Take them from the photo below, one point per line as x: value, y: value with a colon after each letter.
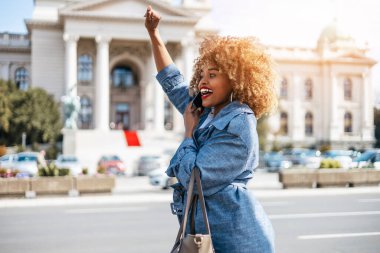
x: 242, y: 123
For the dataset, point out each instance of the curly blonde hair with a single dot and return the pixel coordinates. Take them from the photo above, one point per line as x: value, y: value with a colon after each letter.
x: 248, y: 66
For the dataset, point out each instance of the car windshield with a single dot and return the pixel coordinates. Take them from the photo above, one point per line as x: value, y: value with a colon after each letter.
x: 150, y: 158
x: 69, y: 159
x: 334, y: 153
x: 26, y: 158
x: 277, y: 157
x: 111, y: 158
x: 5, y: 158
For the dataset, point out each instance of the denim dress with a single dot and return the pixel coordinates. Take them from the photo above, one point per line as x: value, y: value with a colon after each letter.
x: 226, y: 152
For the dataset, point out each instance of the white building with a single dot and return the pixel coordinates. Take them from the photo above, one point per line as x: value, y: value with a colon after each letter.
x: 326, y: 95
x: 100, y: 51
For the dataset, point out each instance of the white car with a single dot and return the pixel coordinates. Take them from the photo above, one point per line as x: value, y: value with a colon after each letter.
x: 158, y: 177
x: 69, y: 162
x: 8, y: 161
x: 27, y: 163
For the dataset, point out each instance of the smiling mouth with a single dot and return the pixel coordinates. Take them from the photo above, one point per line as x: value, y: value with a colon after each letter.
x: 206, y: 92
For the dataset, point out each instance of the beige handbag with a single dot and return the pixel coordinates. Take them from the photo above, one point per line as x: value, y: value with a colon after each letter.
x: 193, y: 243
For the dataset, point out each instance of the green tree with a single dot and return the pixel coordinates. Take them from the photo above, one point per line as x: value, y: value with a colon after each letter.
x: 5, y: 109
x: 377, y: 127
x: 34, y: 112
x: 262, y: 131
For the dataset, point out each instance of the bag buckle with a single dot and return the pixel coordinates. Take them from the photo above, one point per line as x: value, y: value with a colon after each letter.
x: 198, y: 239
x: 176, y: 209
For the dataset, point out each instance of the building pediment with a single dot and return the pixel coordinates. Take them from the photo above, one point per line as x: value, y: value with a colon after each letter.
x: 354, y: 57
x: 126, y: 9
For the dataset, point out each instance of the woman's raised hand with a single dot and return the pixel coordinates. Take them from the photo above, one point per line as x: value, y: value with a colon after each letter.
x: 152, y: 18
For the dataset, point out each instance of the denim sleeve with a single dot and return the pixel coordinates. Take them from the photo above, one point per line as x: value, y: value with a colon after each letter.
x: 220, y: 161
x: 174, y: 85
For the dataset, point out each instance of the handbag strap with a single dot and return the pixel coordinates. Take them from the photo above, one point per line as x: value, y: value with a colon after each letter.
x: 202, y: 199
x: 189, y: 202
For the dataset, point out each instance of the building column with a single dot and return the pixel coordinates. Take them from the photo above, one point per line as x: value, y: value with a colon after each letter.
x: 334, y: 117
x: 102, y: 101
x: 188, y: 56
x: 366, y: 110
x: 159, y: 107
x: 178, y: 123
x: 297, y: 118
x: 71, y: 64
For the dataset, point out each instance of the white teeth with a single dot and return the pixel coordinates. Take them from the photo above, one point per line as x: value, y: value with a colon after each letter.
x: 205, y: 91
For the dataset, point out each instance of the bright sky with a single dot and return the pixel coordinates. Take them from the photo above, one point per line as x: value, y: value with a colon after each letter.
x: 275, y: 22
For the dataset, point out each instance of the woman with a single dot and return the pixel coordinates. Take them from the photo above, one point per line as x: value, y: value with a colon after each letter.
x: 236, y: 80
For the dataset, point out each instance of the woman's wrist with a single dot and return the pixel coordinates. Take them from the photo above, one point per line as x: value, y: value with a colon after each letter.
x: 154, y: 34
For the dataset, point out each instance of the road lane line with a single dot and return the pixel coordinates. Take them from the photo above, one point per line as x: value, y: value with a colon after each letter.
x: 317, y: 215
x: 105, y: 210
x: 275, y: 203
x: 331, y: 236
x: 369, y: 200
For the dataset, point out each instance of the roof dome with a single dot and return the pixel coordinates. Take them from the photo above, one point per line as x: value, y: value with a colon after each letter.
x: 334, y: 36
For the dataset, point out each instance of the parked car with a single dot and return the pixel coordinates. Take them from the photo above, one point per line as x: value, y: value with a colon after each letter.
x: 148, y: 163
x: 111, y: 164
x: 27, y: 163
x: 158, y: 177
x: 344, y: 157
x: 69, y: 162
x: 310, y: 158
x: 275, y: 161
x: 365, y: 159
x: 8, y: 161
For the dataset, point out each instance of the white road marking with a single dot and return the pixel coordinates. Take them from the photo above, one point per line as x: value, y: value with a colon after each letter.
x: 369, y: 200
x: 317, y: 215
x: 330, y: 236
x: 275, y: 203
x: 105, y: 210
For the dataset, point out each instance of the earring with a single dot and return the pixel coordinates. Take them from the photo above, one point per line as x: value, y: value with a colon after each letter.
x: 231, y: 97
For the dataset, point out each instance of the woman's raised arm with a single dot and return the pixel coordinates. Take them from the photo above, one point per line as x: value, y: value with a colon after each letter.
x: 161, y: 55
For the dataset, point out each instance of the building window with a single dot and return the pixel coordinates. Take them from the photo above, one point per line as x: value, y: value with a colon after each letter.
x: 123, y: 77
x: 347, y: 89
x: 308, y: 89
x: 85, y: 68
x: 21, y: 78
x: 168, y: 120
x: 284, y: 89
x: 85, y: 113
x: 122, y: 116
x: 348, y: 122
x: 283, y: 123
x: 308, y: 124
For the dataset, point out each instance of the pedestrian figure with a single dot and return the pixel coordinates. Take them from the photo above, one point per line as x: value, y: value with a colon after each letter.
x: 236, y: 80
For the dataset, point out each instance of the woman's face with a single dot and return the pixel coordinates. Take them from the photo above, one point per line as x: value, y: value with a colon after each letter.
x: 215, y: 88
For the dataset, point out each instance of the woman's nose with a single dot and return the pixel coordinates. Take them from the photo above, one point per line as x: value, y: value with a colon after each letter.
x: 203, y: 81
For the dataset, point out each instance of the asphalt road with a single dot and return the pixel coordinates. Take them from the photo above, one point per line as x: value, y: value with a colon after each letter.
x: 312, y: 221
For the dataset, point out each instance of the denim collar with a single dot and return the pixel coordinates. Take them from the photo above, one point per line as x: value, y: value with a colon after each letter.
x: 228, y: 113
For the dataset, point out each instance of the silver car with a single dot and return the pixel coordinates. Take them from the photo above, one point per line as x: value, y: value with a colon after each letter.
x: 27, y: 163
x: 8, y: 161
x: 69, y: 162
x: 149, y: 163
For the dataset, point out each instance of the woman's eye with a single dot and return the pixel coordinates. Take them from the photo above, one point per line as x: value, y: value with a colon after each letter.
x: 212, y: 75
